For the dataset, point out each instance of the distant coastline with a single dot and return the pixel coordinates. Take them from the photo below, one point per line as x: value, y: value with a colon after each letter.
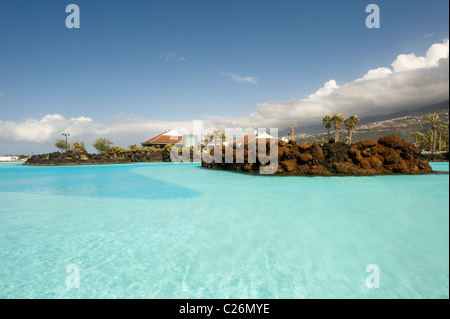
x: 7, y: 159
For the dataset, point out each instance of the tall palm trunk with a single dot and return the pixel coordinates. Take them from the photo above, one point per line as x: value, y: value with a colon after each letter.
x: 350, y: 136
x: 336, y: 135
x: 433, y: 148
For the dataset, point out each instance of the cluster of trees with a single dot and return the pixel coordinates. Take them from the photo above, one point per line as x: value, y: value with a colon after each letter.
x: 63, y: 146
x: 337, y: 120
x: 102, y: 145
x: 438, y: 136
x: 119, y: 150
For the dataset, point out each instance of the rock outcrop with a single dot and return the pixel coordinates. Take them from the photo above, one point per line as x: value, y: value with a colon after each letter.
x: 73, y: 158
x: 388, y: 155
x: 121, y: 156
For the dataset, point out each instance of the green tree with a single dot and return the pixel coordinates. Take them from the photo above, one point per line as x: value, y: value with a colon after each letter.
x: 337, y: 121
x: 327, y: 121
x: 62, y: 145
x: 102, y: 145
x: 441, y: 129
x: 418, y: 137
x: 445, y: 140
x: 350, y: 125
x: 433, y: 119
x: 427, y: 141
x: 220, y: 135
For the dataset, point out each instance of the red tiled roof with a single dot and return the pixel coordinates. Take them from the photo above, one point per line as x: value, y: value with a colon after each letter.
x: 163, y: 139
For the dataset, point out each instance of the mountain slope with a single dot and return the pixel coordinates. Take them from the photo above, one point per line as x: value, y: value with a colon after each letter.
x: 372, y: 128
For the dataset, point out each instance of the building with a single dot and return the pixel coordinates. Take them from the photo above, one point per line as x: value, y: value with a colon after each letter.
x: 168, y: 137
x: 253, y: 138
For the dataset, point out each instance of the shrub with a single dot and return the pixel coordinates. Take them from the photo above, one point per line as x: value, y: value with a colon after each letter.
x: 149, y: 149
x: 168, y: 147
x: 62, y: 145
x: 118, y: 150
x: 103, y: 145
x: 133, y: 147
x: 79, y: 147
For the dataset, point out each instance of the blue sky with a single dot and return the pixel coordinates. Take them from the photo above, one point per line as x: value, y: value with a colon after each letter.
x: 184, y: 60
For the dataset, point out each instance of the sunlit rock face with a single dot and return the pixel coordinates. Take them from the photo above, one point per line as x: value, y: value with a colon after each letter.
x: 388, y: 155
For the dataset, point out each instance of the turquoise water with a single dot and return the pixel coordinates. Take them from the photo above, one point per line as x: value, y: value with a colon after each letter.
x: 180, y: 231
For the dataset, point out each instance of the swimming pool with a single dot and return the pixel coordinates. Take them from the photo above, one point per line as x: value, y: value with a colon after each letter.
x: 167, y: 230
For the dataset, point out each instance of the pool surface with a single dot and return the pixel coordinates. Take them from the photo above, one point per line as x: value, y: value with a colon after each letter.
x: 180, y: 231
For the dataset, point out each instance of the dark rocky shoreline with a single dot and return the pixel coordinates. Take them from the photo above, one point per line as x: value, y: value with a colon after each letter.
x: 444, y: 157
x: 389, y: 155
x: 74, y: 158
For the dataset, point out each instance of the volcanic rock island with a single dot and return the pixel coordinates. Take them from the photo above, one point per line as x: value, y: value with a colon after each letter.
x: 388, y: 155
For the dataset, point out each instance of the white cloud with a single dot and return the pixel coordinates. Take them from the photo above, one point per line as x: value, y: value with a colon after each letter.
x: 242, y: 79
x: 425, y: 36
x: 81, y: 119
x: 32, y: 130
x: 436, y: 52
x: 406, y: 62
x: 171, y: 56
x: 326, y: 90
x: 414, y: 81
x: 376, y: 74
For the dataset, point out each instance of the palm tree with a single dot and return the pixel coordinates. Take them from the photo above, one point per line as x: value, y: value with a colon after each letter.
x: 427, y: 141
x: 418, y: 137
x: 219, y: 135
x: 293, y: 125
x: 433, y: 119
x: 327, y: 121
x: 350, y: 125
x: 337, y: 121
x: 441, y: 129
